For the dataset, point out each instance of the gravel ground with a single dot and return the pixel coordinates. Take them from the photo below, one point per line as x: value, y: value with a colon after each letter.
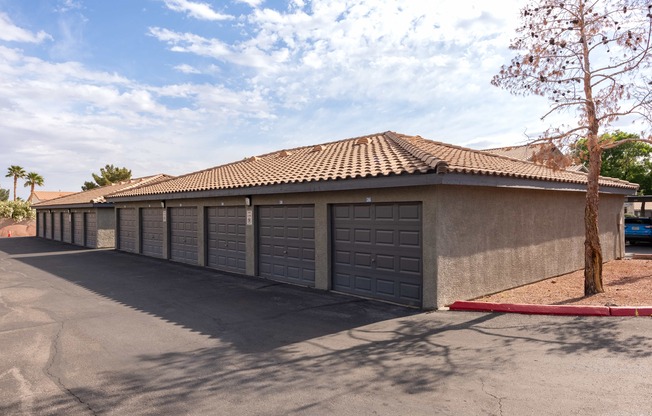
x: 626, y: 283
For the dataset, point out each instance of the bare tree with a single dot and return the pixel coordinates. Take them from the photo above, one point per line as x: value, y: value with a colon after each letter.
x: 593, y: 59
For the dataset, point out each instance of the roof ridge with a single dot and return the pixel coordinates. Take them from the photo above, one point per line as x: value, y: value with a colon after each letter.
x: 439, y: 165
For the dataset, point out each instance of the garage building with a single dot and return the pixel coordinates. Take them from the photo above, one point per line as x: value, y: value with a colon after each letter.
x: 84, y: 218
x: 386, y: 216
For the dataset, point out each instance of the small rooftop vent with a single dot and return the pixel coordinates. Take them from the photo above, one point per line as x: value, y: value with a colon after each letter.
x: 363, y: 140
x: 253, y: 159
x: 284, y: 153
x: 318, y: 148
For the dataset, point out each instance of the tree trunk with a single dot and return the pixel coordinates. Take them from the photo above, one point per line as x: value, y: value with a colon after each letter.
x: 15, y: 186
x: 592, y: 248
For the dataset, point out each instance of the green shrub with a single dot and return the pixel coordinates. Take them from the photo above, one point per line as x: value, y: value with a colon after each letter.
x: 18, y: 210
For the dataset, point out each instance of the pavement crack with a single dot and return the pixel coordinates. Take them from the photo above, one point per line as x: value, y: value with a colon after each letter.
x: 497, y: 398
x: 56, y: 379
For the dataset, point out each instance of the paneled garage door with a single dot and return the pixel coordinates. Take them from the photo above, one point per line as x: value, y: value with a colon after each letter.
x: 152, y: 227
x: 127, y: 229
x: 286, y: 243
x: 226, y: 238
x: 377, y: 251
x: 183, y: 235
x: 57, y: 226
x: 67, y: 232
x: 90, y: 229
x: 78, y: 228
x: 43, y: 222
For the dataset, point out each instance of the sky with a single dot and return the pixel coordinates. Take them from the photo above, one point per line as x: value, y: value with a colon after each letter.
x: 175, y: 86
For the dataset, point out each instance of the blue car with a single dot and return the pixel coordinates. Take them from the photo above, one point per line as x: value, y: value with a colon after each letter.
x: 638, y: 229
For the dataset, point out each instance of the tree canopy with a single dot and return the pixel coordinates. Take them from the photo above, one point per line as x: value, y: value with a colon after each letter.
x: 108, y: 175
x: 593, y: 59
x: 16, y: 172
x: 631, y: 161
x: 33, y: 179
x: 4, y: 195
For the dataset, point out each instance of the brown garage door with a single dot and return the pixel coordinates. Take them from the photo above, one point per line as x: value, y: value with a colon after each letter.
x: 127, y: 229
x: 90, y: 229
x: 286, y: 243
x: 152, y: 227
x: 377, y: 251
x: 78, y: 228
x: 183, y: 235
x: 67, y: 232
x: 226, y: 245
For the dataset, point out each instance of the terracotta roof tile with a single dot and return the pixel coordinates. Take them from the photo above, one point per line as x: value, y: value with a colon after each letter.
x: 97, y: 194
x: 369, y: 156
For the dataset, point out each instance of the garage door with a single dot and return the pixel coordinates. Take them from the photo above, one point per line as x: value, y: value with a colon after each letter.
x: 43, y: 224
x: 226, y: 238
x: 78, y: 228
x: 286, y: 243
x: 48, y: 225
x: 90, y: 229
x: 57, y: 226
x: 377, y: 251
x: 183, y: 235
x: 152, y: 227
x: 127, y: 229
x: 67, y: 232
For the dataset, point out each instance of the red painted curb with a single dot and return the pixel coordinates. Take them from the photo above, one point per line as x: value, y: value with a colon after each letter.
x: 631, y: 310
x: 568, y: 310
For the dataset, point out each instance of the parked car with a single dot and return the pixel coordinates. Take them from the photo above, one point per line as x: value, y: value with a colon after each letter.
x: 638, y: 229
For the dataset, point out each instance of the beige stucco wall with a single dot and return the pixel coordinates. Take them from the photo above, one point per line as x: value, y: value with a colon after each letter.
x: 490, y: 239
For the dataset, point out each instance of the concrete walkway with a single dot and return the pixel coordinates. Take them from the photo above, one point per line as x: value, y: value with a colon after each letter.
x: 102, y: 332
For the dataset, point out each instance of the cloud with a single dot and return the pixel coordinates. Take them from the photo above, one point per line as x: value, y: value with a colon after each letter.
x: 187, y: 69
x: 252, y: 3
x: 12, y: 33
x: 201, y: 11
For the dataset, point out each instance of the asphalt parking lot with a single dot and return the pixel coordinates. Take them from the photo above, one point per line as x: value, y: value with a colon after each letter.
x: 102, y: 332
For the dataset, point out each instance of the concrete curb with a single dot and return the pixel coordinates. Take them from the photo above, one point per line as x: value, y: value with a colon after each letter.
x: 567, y: 310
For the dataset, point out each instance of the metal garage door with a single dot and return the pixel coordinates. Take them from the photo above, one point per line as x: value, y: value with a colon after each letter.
x: 78, y: 228
x: 67, y: 232
x: 127, y: 229
x: 90, y: 229
x: 152, y: 226
x: 226, y: 247
x: 286, y: 243
x: 183, y: 235
x: 377, y: 251
x: 43, y: 224
x: 57, y: 226
x: 49, y: 232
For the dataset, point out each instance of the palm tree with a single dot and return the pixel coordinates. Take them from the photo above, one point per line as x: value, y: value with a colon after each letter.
x: 33, y: 179
x: 16, y: 172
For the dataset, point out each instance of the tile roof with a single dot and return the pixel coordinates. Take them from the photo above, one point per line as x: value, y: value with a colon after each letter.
x: 526, y: 153
x: 40, y: 196
x: 97, y: 195
x: 382, y: 154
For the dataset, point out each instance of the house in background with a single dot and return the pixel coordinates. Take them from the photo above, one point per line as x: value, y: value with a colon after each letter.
x: 529, y: 152
x: 84, y: 218
x: 41, y: 196
x: 384, y: 216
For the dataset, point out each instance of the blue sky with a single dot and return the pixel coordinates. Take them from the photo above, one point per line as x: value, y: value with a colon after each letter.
x: 174, y: 86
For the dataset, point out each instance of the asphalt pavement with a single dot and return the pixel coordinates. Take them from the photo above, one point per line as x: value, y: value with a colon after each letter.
x: 86, y: 332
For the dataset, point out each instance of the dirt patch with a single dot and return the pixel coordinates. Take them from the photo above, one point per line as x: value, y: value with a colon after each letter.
x: 11, y: 228
x: 626, y: 283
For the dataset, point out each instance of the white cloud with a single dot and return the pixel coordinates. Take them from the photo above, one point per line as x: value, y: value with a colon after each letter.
x: 201, y: 11
x: 187, y: 69
x: 253, y: 3
x: 12, y: 33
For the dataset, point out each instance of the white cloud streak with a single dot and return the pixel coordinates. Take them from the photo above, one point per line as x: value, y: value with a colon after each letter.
x: 12, y: 33
x: 201, y: 11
